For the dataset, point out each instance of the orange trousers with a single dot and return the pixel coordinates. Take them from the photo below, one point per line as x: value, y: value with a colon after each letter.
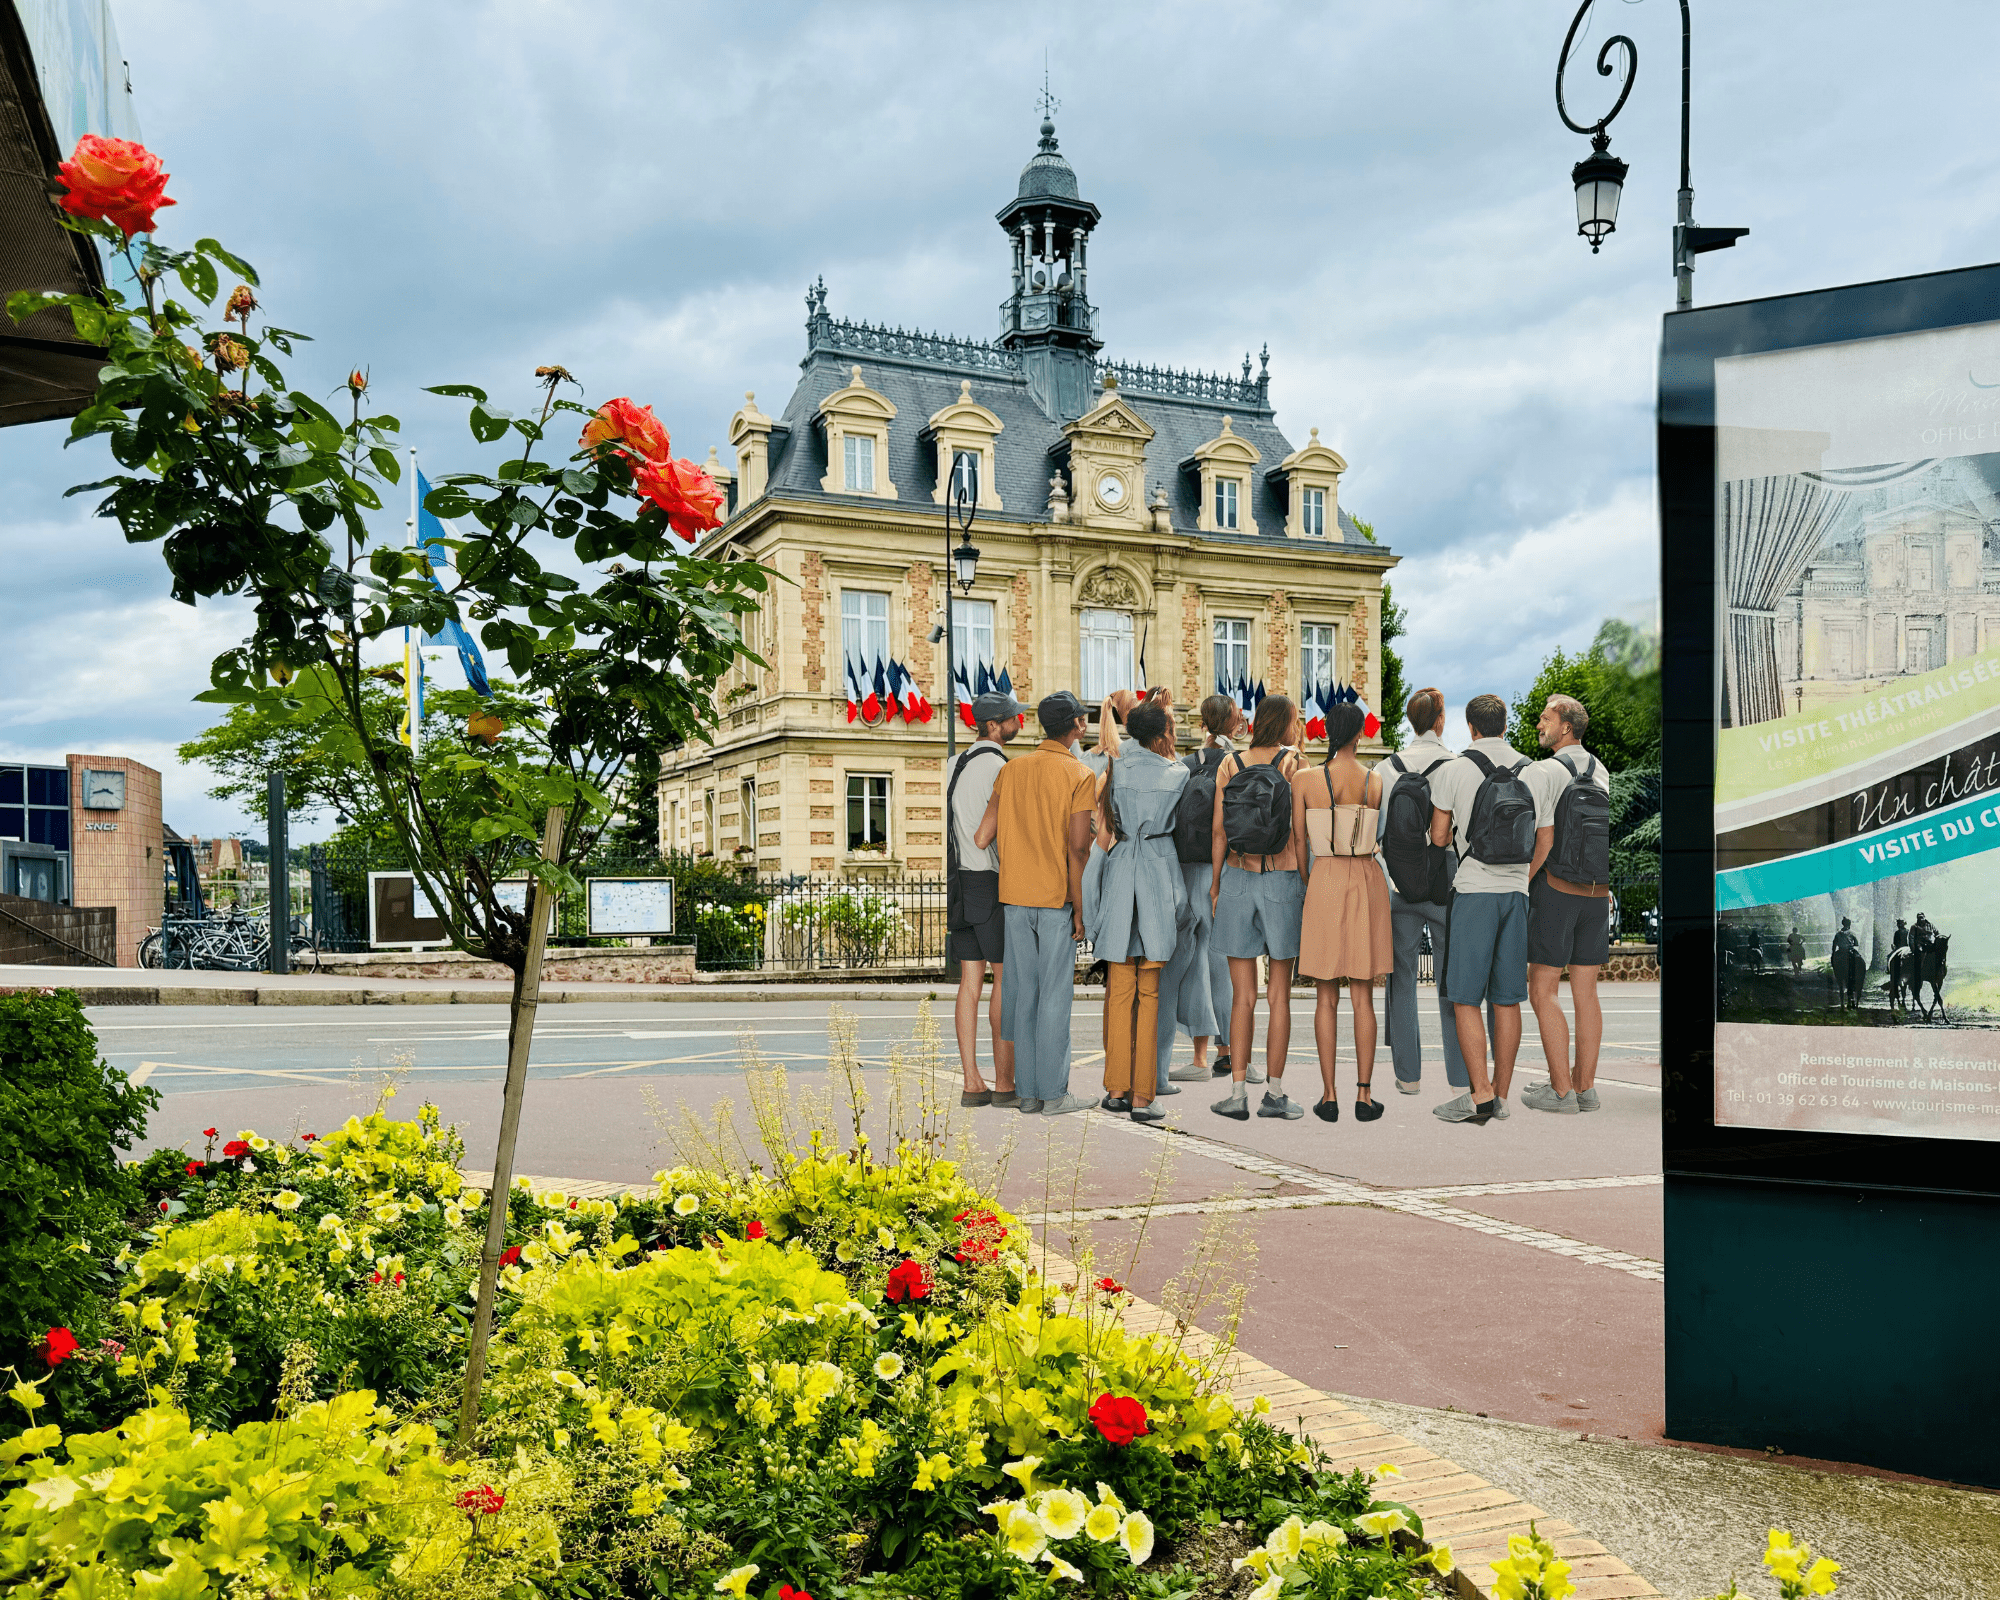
x: 1132, y: 1029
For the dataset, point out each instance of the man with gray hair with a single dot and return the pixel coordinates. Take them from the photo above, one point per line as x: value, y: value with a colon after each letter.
x: 1569, y: 905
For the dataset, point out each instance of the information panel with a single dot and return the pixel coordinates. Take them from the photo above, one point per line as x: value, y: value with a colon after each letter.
x: 1857, y: 779
x: 630, y: 907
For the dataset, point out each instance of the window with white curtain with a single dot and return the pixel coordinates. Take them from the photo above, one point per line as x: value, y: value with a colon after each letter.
x: 867, y: 811
x: 860, y: 461
x: 972, y: 638
x: 1107, y: 654
x: 864, y: 626
x: 1232, y: 652
x: 1312, y: 505
x: 1316, y: 654
x: 1226, y: 491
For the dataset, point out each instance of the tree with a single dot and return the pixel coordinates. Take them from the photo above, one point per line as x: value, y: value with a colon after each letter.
x: 1395, y: 687
x: 241, y: 478
x: 255, y: 740
x: 1618, y: 681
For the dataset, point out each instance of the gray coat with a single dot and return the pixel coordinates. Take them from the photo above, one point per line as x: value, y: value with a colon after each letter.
x: 1135, y: 900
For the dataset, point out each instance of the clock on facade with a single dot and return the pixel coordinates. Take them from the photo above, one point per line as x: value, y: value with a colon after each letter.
x: 103, y: 791
x: 1111, y: 490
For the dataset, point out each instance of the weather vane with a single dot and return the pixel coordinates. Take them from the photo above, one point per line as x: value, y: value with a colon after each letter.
x: 1049, y: 103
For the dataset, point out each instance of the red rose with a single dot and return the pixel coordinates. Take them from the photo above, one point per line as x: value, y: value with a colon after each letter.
x: 58, y: 1347
x: 234, y: 1149
x: 908, y: 1280
x: 1110, y: 1285
x: 691, y: 499
x: 485, y: 1501
x: 510, y: 1255
x: 193, y: 1168
x: 115, y: 181
x: 208, y: 1133
x: 635, y: 427
x: 787, y: 1592
x: 1120, y: 1418
x: 755, y: 1230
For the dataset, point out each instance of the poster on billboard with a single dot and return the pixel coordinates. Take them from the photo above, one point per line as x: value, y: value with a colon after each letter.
x: 1857, y: 786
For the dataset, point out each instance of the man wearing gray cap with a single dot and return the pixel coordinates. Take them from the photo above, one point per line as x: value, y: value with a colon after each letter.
x: 974, y: 923
x: 1041, y: 815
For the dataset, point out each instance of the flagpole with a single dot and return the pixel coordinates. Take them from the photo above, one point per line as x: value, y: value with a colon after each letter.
x: 950, y: 647
x: 413, y: 653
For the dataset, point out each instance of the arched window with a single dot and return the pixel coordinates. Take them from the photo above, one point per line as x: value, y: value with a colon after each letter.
x: 1108, y: 658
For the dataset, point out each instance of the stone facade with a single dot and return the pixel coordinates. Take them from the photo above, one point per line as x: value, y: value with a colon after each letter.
x: 115, y: 855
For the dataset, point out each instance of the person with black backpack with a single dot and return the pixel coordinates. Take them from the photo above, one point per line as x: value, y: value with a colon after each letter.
x: 1569, y: 904
x: 1257, y: 892
x: 1419, y: 874
x: 1483, y: 808
x: 1204, y: 996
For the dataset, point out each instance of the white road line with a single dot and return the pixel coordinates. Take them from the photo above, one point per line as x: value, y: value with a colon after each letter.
x: 143, y: 1071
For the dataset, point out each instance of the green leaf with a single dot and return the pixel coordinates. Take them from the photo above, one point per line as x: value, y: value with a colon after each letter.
x: 386, y: 463
x: 91, y: 322
x: 461, y: 391
x: 24, y: 303
x: 234, y: 263
x: 198, y: 275
x: 581, y: 484
x: 487, y: 425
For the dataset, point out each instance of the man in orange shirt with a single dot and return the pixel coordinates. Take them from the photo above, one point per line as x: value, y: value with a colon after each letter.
x: 1040, y: 817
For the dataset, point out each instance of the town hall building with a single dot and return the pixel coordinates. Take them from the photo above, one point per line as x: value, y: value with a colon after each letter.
x: 1135, y: 525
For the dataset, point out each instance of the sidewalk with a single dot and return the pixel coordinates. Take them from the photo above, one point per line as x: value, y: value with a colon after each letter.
x: 147, y: 986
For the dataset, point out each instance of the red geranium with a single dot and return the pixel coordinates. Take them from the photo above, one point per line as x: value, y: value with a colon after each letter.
x: 909, y: 1280
x: 620, y: 422
x: 485, y: 1501
x: 1119, y: 1417
x: 755, y: 1231
x: 307, y: 1138
x: 787, y: 1592
x: 234, y: 1149
x: 115, y: 181
x: 58, y: 1347
x: 691, y: 499
x: 208, y: 1133
x: 1110, y: 1285
x: 510, y: 1255
x: 983, y: 1234
x: 193, y: 1168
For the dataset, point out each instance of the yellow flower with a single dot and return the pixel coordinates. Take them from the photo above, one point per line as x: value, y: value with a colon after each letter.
x: 1321, y: 1535
x: 1261, y: 1406
x: 738, y: 1582
x: 1388, y: 1469
x: 1059, y: 1568
x: 1268, y: 1589
x: 885, y: 1238
x: 1258, y: 1561
x: 1287, y: 1539
x: 932, y: 1471
x: 1103, y: 1522
x: 1383, y: 1523
x: 686, y: 1205
x: 1063, y: 1512
x: 287, y: 1199
x: 889, y: 1367
x: 1023, y: 1472
x: 1022, y: 1530
x: 1441, y: 1559
x: 1137, y: 1538
x: 1819, y: 1580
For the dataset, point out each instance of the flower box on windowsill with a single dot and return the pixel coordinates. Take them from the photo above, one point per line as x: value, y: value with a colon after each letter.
x: 865, y: 863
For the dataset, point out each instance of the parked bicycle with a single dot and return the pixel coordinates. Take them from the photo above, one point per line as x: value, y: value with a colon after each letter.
x: 234, y: 942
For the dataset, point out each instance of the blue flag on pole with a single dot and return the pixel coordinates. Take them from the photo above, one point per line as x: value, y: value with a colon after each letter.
x: 431, y: 534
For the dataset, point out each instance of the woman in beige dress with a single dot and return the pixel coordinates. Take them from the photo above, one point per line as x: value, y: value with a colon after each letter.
x: 1345, y: 931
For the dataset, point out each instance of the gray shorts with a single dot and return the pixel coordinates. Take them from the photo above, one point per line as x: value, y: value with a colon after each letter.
x: 1258, y: 914
x: 1567, y: 930
x: 1486, y: 949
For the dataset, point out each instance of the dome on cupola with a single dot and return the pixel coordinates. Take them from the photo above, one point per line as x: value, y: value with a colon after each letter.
x: 1047, y: 176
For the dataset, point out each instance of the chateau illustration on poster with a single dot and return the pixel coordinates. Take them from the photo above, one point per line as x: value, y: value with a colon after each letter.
x: 1857, y: 800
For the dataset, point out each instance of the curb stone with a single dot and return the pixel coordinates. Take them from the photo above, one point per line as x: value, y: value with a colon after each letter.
x: 1459, y: 1508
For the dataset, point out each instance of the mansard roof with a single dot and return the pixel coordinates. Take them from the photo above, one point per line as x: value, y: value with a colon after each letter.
x: 920, y: 375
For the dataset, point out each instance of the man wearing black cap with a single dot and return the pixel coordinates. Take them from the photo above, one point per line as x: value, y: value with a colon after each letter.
x: 1041, y: 817
x: 973, y: 919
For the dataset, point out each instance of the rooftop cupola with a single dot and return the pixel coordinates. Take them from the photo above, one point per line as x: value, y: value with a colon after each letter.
x: 1048, y: 316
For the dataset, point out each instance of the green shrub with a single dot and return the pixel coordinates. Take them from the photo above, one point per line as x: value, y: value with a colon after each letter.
x: 64, y: 1196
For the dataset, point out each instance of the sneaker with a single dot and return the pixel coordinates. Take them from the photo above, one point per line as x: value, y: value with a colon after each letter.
x: 1254, y: 1074
x: 1188, y: 1074
x: 975, y: 1097
x: 1219, y: 1067
x: 1148, y: 1114
x: 1165, y: 1088
x: 1028, y: 1107
x: 1543, y: 1097
x: 1278, y: 1105
x: 1064, y: 1103
x: 1586, y: 1100
x: 1006, y: 1097
x: 1465, y: 1109
x: 1237, y: 1105
x: 1500, y: 1110
x: 1409, y: 1086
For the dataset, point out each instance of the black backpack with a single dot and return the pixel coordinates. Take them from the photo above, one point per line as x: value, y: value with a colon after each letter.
x: 955, y: 913
x: 1257, y: 808
x: 1416, y: 866
x: 1581, y: 852
x: 1501, y: 832
x: 1194, y: 812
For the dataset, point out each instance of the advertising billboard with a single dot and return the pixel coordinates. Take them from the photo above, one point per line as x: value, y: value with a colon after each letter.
x: 1857, y: 748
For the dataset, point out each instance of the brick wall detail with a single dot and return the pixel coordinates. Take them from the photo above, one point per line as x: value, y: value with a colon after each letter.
x: 812, y: 601
x: 1021, y: 638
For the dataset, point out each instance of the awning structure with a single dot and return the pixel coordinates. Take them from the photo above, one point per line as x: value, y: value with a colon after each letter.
x: 45, y: 370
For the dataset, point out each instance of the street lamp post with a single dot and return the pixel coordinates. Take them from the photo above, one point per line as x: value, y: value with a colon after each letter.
x: 1600, y: 177
x: 961, y: 505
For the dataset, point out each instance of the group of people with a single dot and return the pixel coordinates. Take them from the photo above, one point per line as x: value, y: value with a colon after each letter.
x: 1186, y: 873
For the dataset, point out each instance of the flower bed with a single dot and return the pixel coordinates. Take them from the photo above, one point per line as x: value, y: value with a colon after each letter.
x: 843, y: 1378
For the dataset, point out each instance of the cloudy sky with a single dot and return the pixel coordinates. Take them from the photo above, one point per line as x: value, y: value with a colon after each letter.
x: 462, y: 192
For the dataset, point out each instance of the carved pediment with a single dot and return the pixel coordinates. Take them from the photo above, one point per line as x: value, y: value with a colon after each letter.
x: 1110, y: 587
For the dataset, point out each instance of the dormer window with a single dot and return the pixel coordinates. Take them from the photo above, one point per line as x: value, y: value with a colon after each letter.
x: 965, y: 435
x: 1226, y: 492
x: 1308, y: 483
x: 1312, y: 513
x: 860, y: 461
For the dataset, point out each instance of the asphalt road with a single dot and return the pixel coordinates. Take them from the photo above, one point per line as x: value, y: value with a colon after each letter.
x: 1508, y: 1270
